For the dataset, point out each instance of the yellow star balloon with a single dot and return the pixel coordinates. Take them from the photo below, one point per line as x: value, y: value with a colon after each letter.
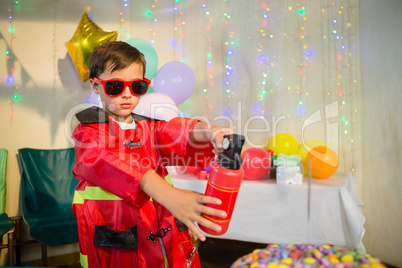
x: 87, y: 36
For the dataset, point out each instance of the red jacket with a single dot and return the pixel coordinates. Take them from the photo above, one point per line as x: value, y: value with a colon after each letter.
x: 118, y: 224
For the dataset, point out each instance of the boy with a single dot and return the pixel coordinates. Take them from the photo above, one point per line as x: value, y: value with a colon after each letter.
x: 128, y: 215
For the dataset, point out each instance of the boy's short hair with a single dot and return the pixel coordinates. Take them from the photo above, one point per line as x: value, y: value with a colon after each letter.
x: 117, y: 54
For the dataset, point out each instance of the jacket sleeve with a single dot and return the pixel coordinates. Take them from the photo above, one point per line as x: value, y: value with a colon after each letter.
x: 108, y: 168
x: 175, y: 146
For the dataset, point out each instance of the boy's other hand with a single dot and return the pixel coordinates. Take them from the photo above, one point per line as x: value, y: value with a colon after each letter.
x: 187, y: 206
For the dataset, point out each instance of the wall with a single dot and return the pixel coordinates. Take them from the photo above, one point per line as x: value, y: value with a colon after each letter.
x: 381, y: 65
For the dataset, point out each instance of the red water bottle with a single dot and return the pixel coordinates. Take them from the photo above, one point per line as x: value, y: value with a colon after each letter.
x: 224, y: 181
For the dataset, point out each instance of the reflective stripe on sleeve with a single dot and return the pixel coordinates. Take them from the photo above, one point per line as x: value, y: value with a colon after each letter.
x: 93, y: 193
x: 84, y: 260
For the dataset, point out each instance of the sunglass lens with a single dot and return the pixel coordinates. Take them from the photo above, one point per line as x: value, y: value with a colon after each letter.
x: 139, y: 87
x: 114, y: 88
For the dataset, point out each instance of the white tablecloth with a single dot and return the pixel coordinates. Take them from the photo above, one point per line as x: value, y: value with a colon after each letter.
x: 267, y: 212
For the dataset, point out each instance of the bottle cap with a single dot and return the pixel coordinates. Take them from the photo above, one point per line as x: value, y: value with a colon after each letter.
x: 232, y: 145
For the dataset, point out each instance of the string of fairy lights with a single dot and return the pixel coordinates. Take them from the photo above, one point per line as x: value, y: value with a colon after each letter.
x: 229, y: 43
x: 302, y: 89
x: 340, y: 74
x: 231, y: 60
x: 125, y: 28
x: 262, y: 56
x: 154, y: 21
x: 11, y: 59
x: 297, y: 55
x: 266, y: 62
x: 179, y: 31
x: 209, y: 56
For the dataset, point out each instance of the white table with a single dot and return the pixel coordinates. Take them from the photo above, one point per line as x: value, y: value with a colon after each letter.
x: 267, y: 212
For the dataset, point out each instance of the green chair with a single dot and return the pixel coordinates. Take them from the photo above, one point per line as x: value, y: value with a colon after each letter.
x: 6, y: 224
x: 47, y: 189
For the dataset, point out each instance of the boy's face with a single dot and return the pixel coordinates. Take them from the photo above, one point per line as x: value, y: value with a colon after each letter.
x: 120, y: 107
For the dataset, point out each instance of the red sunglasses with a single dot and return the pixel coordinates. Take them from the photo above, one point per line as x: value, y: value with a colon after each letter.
x: 115, y: 87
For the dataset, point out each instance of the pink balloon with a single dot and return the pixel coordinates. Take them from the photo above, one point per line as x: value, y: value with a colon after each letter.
x: 256, y: 163
x: 158, y: 106
x: 175, y: 79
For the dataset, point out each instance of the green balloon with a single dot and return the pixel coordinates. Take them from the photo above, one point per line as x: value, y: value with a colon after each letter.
x: 150, y: 89
x: 149, y: 53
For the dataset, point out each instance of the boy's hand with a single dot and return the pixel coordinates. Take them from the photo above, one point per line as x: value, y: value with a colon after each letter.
x: 187, y: 207
x: 217, y: 134
x: 203, y: 132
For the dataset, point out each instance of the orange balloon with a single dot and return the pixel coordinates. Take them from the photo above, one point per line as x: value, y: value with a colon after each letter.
x: 324, y: 162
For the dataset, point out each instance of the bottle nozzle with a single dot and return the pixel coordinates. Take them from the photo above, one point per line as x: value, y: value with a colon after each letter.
x: 232, y: 145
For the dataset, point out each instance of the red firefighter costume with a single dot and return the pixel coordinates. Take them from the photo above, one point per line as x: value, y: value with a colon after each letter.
x: 118, y: 224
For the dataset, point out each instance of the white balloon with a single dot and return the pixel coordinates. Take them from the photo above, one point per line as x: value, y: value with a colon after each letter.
x: 95, y: 99
x: 158, y: 106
